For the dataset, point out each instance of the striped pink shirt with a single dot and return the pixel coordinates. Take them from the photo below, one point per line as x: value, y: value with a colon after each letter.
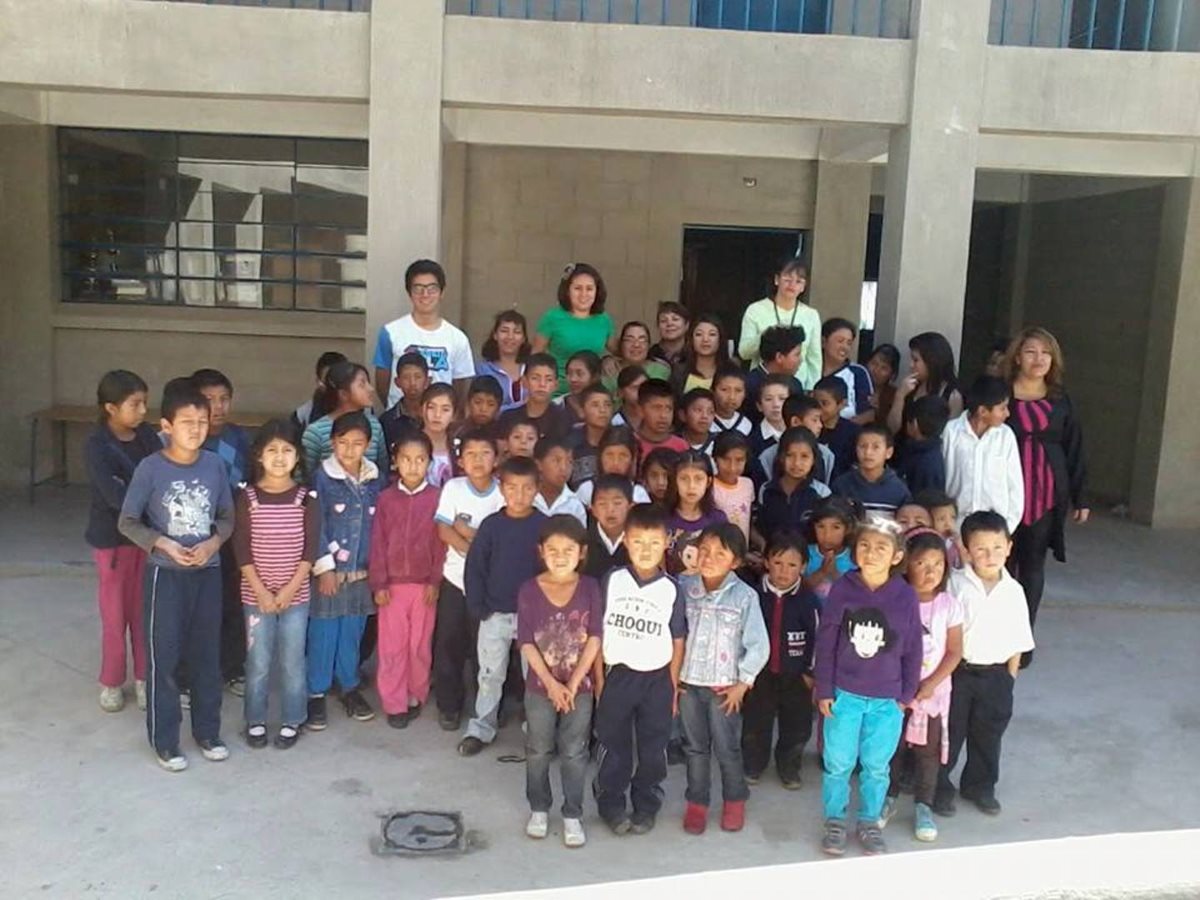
x: 277, y: 543
x: 1034, y: 418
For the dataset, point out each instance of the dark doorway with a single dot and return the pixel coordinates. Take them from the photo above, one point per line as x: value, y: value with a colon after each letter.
x: 727, y: 269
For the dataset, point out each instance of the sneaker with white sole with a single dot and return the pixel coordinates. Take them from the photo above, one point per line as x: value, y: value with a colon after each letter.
x: 214, y: 750
x: 171, y: 760
x: 573, y: 835
x: 538, y: 825
x: 112, y: 699
x: 889, y: 810
x: 139, y: 690
x: 924, y: 828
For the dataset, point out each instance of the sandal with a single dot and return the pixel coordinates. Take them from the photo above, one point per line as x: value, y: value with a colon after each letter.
x: 256, y: 736
x: 287, y: 737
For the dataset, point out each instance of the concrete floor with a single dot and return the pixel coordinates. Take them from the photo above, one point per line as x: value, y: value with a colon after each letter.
x: 1102, y: 742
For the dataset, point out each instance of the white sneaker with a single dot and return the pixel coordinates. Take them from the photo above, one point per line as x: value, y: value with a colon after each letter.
x: 112, y: 699
x: 172, y: 760
x: 139, y: 688
x: 214, y: 751
x: 538, y: 826
x: 573, y: 835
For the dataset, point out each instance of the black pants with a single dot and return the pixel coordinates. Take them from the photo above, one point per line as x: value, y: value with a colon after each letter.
x: 233, y: 622
x: 980, y: 709
x: 925, y: 762
x: 454, y: 634
x: 634, y: 709
x: 1028, y: 561
x: 370, y: 640
x: 787, y: 698
x: 182, y: 612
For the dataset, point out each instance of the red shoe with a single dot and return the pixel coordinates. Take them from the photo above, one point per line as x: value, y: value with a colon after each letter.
x: 695, y: 818
x: 733, y: 815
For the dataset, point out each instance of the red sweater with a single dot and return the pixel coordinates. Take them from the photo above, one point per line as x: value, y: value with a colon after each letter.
x: 405, y: 547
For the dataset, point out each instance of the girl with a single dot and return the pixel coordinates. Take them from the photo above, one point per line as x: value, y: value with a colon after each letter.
x: 347, y: 389
x: 793, y: 492
x: 733, y: 492
x: 628, y: 382
x: 437, y: 416
x: 579, y: 322
x: 504, y: 354
x: 657, y: 471
x: 830, y: 529
x: 932, y: 375
x: 616, y: 455
x: 926, y: 737
x: 274, y: 544
x: 690, y: 501
x: 583, y: 368
x: 633, y: 349
x: 347, y: 486
x: 116, y: 445
x: 788, y: 306
x: 404, y: 573
x: 867, y: 668
x: 707, y: 351
x: 883, y: 364
x: 559, y: 615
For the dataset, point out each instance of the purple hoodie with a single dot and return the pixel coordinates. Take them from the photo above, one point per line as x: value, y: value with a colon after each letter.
x: 869, y: 642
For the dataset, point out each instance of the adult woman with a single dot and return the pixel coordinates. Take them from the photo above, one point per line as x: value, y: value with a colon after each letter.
x: 1050, y: 441
x: 707, y: 349
x: 837, y: 344
x: 579, y: 322
x: 504, y: 354
x: 932, y: 373
x: 633, y: 349
x: 786, y: 307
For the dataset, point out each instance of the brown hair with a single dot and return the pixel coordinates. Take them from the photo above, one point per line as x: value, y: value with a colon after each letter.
x: 1012, y: 367
x: 576, y: 270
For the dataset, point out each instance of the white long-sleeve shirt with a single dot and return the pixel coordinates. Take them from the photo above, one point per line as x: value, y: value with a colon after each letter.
x: 983, y: 473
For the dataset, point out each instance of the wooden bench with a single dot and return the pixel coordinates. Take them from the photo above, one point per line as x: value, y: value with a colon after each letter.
x: 62, y: 415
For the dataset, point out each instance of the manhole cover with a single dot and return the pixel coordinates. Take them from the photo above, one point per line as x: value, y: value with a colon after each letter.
x: 422, y: 833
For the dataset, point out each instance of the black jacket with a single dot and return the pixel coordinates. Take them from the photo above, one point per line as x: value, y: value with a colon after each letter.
x: 110, y: 464
x: 599, y: 561
x: 791, y: 620
x: 921, y: 464
x: 778, y: 511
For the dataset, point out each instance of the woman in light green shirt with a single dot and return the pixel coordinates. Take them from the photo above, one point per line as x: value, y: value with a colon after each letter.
x: 579, y: 322
x: 786, y: 308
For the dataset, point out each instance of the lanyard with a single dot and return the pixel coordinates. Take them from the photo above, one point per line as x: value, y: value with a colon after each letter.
x: 795, y: 309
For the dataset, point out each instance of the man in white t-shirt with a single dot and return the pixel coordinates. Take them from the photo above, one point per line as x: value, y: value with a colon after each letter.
x: 444, y: 346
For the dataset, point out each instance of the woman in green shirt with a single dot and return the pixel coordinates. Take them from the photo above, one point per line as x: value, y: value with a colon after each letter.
x: 579, y: 322
x: 633, y: 349
x: 788, y: 308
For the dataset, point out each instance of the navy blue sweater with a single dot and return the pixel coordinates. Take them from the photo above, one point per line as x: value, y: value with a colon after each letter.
x: 778, y: 511
x: 791, y: 619
x: 503, y: 556
x: 921, y: 465
x: 110, y: 464
x: 883, y: 496
x: 842, y: 440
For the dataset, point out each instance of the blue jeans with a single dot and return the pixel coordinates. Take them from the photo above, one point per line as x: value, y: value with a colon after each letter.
x: 333, y: 652
x: 269, y: 635
x: 709, y: 732
x: 546, y: 729
x: 861, y: 730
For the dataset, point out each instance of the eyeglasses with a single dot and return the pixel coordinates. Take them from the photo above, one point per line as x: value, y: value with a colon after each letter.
x: 425, y: 290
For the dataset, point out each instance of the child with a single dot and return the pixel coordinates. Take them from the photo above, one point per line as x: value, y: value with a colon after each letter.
x: 412, y: 378
x: 503, y: 556
x: 303, y: 413
x: 656, y: 401
x: 799, y: 411
x: 405, y: 569
x: 920, y: 462
x: 519, y: 439
x: 690, y: 499
x: 612, y: 496
x: 771, y: 397
x: 437, y: 418
x: 617, y: 455
x: 785, y: 501
x: 658, y: 470
x: 733, y: 492
x: 926, y: 738
x: 868, y: 666
x: 783, y: 690
x: 883, y: 364
x: 913, y: 515
x: 278, y: 525
x: 585, y: 440
x: 464, y: 503
x: 727, y: 646
x: 637, y: 676
x: 559, y: 615
x: 729, y: 396
x: 539, y: 382
x: 871, y: 482
x: 838, y: 433
x: 996, y: 632
x: 553, y: 458
x: 583, y: 368
x: 943, y: 512
x: 484, y: 399
x: 178, y: 508
x: 830, y: 530
x: 696, y: 419
x: 629, y: 382
x: 116, y: 445
x: 983, y: 467
x: 781, y: 351
x: 347, y: 389
x: 347, y: 485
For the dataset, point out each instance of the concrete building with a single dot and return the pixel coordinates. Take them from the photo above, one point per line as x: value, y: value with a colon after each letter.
x: 185, y: 184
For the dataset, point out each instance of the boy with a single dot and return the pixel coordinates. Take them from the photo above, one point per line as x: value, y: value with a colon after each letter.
x: 781, y: 350
x: 302, y: 414
x: 484, y: 399
x: 799, y: 411
x: 597, y: 414
x: 837, y: 342
x: 772, y: 395
x: 673, y: 321
x: 727, y: 646
x: 920, y: 462
x: 539, y: 382
x: 637, y: 675
x: 944, y: 513
x: 465, y: 502
x: 838, y: 433
x: 612, y: 496
x: 553, y: 458
x: 412, y: 377
x: 656, y: 401
x: 983, y: 467
x: 696, y: 413
x: 519, y: 438
x: 729, y: 396
x: 871, y: 482
x: 503, y: 556
x: 179, y: 509
x: 995, y: 633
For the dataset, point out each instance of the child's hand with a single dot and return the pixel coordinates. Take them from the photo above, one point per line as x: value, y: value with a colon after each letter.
x: 284, y: 599
x: 826, y: 708
x: 382, y: 598
x: 562, y: 698
x: 327, y: 584
x: 174, y: 551
x: 204, y: 550
x: 265, y: 600
x: 430, y: 595
x: 925, y: 691
x: 679, y: 692
x: 733, y: 697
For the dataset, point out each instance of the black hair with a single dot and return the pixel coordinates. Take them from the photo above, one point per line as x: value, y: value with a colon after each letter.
x: 693, y: 395
x: 730, y: 536
x: 276, y: 430
x: 491, y: 349
x: 838, y: 324
x: 210, y: 378
x: 573, y: 271
x: 424, y: 267
x: 594, y: 388
x: 924, y: 541
x: 507, y: 428
x: 563, y: 525
x: 846, y: 510
x: 607, y: 482
x: 619, y: 436
x: 634, y: 324
x: 797, y: 435
x: 786, y: 539
x: 549, y: 442
x: 647, y: 517
x: 867, y: 617
x: 724, y: 373
x: 932, y: 498
x: 475, y: 436
x: 931, y: 413
x: 671, y: 306
x: 937, y: 354
x: 116, y: 387
x: 985, y: 392
x: 791, y: 263
x: 779, y: 379
x: 439, y: 389
x: 414, y: 359
x: 486, y: 384
x: 517, y: 467
x: 590, y: 360
x: 661, y: 456
x: 890, y: 354
x: 351, y: 421
x: 692, y: 459
x: 795, y: 407
x: 413, y: 436
x: 541, y: 360
x: 628, y: 376
x: 654, y: 388
x: 879, y: 429
x: 728, y: 441
x: 779, y: 340
x: 327, y: 359
x: 983, y: 521
x: 179, y: 393
x: 339, y: 378
x: 688, y: 367
x: 833, y: 386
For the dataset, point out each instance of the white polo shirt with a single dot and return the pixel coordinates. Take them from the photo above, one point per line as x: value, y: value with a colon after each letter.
x: 566, y: 503
x: 996, y: 627
x: 460, y: 502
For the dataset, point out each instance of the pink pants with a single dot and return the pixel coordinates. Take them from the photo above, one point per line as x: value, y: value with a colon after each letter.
x: 119, y: 570
x: 405, y: 648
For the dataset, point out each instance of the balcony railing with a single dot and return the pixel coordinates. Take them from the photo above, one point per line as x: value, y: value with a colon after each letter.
x: 333, y: 5
x: 866, y: 18
x: 1172, y: 25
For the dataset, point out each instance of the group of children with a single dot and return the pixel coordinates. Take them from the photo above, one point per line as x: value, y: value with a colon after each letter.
x: 680, y: 578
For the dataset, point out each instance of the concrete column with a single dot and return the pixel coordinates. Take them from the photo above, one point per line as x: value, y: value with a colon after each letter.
x: 1165, y: 490
x: 931, y: 175
x: 840, y: 238
x: 454, y: 225
x: 405, y: 129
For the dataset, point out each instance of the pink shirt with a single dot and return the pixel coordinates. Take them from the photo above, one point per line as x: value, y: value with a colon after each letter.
x: 735, y: 502
x: 938, y: 616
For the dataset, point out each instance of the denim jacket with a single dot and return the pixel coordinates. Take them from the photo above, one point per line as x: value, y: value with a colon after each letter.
x: 347, y: 510
x: 727, y: 639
